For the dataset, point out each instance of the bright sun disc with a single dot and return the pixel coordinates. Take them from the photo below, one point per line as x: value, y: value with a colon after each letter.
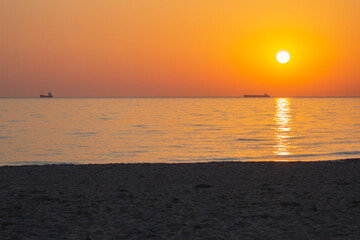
x: 283, y: 57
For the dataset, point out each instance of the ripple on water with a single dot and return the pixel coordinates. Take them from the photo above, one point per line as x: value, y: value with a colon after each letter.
x: 83, y: 134
x: 17, y: 121
x: 251, y: 139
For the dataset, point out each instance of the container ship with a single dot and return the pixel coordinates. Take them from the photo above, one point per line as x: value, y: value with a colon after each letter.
x: 264, y: 95
x: 47, y: 96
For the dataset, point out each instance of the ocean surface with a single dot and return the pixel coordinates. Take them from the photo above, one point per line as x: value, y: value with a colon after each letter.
x: 177, y: 130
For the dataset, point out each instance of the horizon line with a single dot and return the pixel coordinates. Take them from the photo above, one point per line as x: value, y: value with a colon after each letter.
x: 197, y: 97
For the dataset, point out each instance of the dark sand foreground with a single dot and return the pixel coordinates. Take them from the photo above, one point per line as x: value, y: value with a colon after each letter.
x: 316, y: 200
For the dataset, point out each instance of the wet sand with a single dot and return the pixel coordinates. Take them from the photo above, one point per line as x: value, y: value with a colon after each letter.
x: 309, y: 200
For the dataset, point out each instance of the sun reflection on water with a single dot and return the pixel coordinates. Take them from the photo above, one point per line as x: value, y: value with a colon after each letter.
x: 283, y: 127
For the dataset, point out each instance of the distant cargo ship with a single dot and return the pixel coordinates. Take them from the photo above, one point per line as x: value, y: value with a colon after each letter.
x: 264, y: 95
x: 47, y: 96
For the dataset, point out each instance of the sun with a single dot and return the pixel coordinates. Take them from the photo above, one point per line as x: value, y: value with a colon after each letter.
x: 283, y: 57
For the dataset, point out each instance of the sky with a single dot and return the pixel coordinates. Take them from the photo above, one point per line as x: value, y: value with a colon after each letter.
x: 164, y: 48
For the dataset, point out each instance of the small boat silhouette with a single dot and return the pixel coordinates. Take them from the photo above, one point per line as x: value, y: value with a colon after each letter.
x: 47, y: 96
x: 264, y: 95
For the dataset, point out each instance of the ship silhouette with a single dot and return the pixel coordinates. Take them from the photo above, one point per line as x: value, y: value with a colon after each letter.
x: 47, y: 96
x: 264, y: 95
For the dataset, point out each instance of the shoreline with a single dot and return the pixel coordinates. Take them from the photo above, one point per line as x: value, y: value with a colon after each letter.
x: 21, y: 164
x: 216, y: 200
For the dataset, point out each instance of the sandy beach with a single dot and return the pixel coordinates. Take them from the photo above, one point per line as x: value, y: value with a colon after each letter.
x: 274, y: 200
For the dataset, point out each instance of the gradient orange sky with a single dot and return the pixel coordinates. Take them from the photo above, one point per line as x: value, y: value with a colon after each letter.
x: 110, y: 48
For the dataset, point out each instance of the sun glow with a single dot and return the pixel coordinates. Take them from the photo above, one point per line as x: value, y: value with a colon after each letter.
x: 283, y: 57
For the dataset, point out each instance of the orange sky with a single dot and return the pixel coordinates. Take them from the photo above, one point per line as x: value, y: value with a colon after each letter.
x: 110, y: 48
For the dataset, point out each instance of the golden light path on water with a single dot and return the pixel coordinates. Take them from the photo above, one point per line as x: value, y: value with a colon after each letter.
x: 282, y: 119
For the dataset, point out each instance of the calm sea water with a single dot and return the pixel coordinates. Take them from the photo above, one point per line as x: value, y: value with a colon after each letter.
x: 171, y: 130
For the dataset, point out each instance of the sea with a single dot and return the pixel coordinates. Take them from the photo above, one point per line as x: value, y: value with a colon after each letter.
x: 177, y: 130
